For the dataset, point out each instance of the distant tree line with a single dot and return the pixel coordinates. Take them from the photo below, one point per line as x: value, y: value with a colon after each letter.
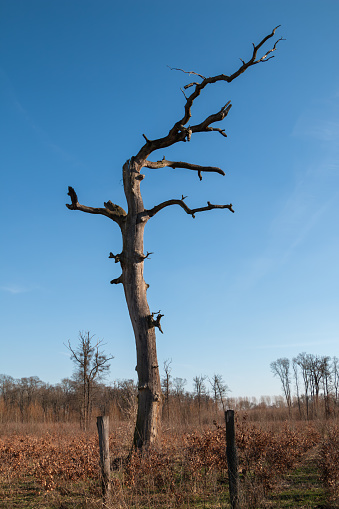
x: 310, y: 384
x: 32, y: 400
x: 77, y: 398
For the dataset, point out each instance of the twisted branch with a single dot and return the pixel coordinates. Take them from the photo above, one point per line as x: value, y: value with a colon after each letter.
x: 183, y: 205
x: 177, y: 133
x: 187, y: 72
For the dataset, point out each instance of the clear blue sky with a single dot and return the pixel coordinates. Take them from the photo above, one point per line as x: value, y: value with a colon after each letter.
x: 81, y: 80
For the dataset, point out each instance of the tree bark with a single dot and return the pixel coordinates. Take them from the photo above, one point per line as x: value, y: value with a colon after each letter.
x: 132, y: 264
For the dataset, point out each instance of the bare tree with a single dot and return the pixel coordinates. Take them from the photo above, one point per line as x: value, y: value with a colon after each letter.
x: 281, y: 369
x: 7, y: 384
x: 166, y: 384
x: 126, y: 397
x: 296, y: 381
x: 316, y: 372
x: 302, y: 361
x: 132, y: 224
x: 91, y: 364
x: 199, y: 391
x: 220, y: 390
x: 326, y: 377
x: 178, y: 387
x: 26, y: 391
x: 335, y: 374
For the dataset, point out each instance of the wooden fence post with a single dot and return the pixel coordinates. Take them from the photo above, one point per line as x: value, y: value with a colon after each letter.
x: 232, y: 459
x: 103, y: 432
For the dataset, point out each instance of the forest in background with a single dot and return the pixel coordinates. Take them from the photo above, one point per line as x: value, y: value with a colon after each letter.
x: 309, y: 382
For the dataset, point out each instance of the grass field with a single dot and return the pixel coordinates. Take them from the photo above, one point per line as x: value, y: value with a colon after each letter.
x: 281, y: 465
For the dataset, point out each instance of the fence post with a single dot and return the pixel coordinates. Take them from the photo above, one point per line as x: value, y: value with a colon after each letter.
x: 103, y: 432
x: 232, y: 459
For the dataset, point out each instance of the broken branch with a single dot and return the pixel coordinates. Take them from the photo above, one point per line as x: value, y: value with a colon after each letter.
x: 114, y: 212
x: 117, y: 258
x: 117, y: 281
x: 216, y: 117
x: 147, y: 255
x: 155, y: 322
x: 180, y: 164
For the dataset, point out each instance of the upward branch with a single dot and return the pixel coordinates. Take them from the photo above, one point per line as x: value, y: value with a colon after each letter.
x: 181, y: 133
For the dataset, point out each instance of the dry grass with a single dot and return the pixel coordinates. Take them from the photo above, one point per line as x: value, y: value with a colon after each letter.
x: 329, y: 462
x: 57, y: 467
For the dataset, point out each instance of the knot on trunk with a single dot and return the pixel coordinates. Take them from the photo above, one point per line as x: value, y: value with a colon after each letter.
x: 143, y: 387
x: 155, y: 322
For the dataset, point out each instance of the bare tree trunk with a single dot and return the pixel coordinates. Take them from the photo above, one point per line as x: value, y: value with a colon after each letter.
x: 132, y: 263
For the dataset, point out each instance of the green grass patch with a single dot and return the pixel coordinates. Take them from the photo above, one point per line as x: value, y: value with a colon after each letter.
x: 300, y: 488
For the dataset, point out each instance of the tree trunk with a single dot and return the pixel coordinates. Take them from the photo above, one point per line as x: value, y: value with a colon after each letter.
x: 132, y: 263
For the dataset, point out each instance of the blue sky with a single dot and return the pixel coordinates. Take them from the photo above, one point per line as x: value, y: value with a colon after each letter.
x: 81, y: 81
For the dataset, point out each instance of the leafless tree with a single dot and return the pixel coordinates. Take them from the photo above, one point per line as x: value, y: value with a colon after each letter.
x: 302, y: 361
x: 296, y: 381
x: 326, y: 377
x: 132, y: 224
x: 127, y: 398
x: 26, y: 389
x: 220, y: 390
x: 178, y: 387
x: 316, y: 373
x: 91, y: 365
x: 166, y: 384
x: 335, y: 372
x: 200, y: 391
x: 7, y: 384
x: 281, y: 369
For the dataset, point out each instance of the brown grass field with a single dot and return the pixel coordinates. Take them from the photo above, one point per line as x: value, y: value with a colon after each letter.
x: 290, y: 464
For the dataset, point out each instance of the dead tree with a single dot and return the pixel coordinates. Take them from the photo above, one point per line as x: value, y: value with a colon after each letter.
x: 200, y: 391
x: 166, y: 384
x: 220, y: 390
x: 133, y: 221
x: 281, y: 369
x: 91, y: 364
